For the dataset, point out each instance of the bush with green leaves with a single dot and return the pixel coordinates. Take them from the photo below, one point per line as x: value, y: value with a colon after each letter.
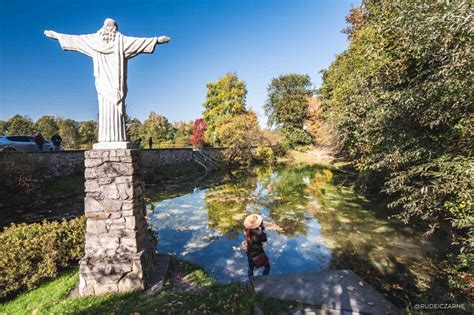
x: 264, y: 155
x: 294, y: 137
x: 32, y: 253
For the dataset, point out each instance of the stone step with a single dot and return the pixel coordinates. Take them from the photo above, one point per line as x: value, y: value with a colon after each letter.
x: 329, y: 292
x: 205, y: 161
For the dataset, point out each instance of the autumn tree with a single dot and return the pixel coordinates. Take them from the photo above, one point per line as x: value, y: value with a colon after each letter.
x: 239, y: 135
x: 199, y: 129
x: 225, y: 99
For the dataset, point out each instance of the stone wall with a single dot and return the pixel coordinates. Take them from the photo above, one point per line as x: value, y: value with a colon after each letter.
x: 65, y: 163
x: 49, y: 164
x: 158, y: 157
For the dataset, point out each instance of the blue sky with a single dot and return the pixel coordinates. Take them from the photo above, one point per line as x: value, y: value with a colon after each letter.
x: 257, y: 39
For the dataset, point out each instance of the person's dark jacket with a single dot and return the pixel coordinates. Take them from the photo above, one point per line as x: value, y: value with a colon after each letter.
x: 56, y: 139
x: 254, y: 244
x: 39, y: 140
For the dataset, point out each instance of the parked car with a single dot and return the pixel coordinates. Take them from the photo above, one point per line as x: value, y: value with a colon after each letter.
x: 23, y: 144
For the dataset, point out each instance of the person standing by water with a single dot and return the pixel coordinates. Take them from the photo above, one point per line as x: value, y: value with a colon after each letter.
x: 255, y: 235
x: 150, y: 142
x: 56, y: 140
x: 39, y: 140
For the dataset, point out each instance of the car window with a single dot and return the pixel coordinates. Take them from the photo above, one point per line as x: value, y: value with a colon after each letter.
x: 19, y: 138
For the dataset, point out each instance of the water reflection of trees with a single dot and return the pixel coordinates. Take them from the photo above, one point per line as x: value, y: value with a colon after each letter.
x: 350, y: 224
x: 287, y: 201
x: 280, y: 191
x: 226, y: 205
x: 388, y: 254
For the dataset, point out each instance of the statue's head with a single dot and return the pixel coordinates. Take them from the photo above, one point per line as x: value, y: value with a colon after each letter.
x: 108, y: 31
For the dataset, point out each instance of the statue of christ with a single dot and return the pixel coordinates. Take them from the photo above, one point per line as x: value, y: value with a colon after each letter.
x: 110, y: 52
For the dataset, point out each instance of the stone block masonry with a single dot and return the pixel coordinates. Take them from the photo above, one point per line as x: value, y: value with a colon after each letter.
x: 120, y: 253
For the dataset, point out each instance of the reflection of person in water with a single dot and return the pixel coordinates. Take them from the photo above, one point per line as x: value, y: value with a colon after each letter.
x: 255, y: 235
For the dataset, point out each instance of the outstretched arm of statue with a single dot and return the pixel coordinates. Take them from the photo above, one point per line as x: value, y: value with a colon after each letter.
x: 134, y: 46
x: 51, y: 34
x: 163, y: 39
x: 80, y: 43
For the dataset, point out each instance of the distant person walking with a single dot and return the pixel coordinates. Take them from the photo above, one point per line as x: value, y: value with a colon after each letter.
x: 255, y: 235
x: 56, y: 140
x: 39, y: 140
x: 150, y: 142
x: 139, y: 142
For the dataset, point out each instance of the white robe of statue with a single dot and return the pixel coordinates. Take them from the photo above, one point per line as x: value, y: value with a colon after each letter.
x: 110, y: 72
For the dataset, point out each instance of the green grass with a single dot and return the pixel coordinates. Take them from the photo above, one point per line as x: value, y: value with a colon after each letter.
x: 212, y: 298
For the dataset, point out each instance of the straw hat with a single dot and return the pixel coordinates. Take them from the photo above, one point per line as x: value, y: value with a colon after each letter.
x: 253, y: 221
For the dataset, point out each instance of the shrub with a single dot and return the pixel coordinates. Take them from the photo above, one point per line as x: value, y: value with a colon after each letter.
x: 295, y: 137
x: 31, y: 253
x: 265, y: 155
x: 281, y: 148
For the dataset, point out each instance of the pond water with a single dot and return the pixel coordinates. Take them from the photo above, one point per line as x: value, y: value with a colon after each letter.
x: 314, y: 223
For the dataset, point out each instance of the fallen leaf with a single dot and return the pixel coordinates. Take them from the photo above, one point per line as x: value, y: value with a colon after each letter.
x: 361, y: 283
x: 371, y: 303
x: 350, y: 288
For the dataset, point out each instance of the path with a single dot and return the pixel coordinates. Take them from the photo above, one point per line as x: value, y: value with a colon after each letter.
x: 322, y: 155
x: 329, y: 292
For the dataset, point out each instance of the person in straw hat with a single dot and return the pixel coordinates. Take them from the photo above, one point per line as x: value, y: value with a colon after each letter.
x: 255, y: 235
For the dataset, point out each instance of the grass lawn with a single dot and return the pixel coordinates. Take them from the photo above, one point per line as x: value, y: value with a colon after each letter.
x: 188, y: 290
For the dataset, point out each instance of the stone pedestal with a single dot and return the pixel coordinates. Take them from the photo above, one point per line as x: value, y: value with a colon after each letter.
x: 120, y: 252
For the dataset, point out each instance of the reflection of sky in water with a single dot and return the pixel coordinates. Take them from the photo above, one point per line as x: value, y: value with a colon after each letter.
x: 182, y: 226
x: 319, y: 221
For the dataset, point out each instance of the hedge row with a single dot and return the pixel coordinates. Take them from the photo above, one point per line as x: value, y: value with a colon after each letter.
x: 31, y: 253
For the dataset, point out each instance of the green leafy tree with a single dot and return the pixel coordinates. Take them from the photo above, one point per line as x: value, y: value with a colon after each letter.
x: 400, y: 100
x: 3, y: 127
x: 88, y: 132
x: 134, y: 127
x: 158, y: 128
x: 225, y: 99
x: 182, y: 133
x: 20, y: 125
x: 287, y: 106
x: 239, y: 135
x: 69, y: 132
x: 47, y: 125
